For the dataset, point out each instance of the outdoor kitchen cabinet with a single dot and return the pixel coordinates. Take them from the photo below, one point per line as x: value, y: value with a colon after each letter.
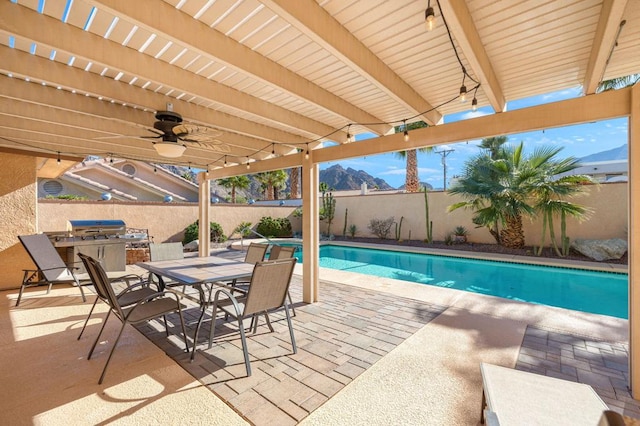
x: 111, y: 254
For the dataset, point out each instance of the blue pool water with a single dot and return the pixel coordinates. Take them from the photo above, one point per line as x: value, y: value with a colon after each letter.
x: 581, y: 290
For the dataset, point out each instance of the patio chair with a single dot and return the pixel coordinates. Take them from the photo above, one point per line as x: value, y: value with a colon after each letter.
x: 166, y: 251
x: 255, y: 253
x: 130, y: 295
x: 50, y: 268
x: 146, y: 309
x: 267, y: 292
x: 284, y: 252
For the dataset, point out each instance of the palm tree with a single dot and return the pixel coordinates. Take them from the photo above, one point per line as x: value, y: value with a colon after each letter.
x: 235, y: 182
x: 550, y: 194
x: 271, y: 181
x: 412, y: 180
x: 618, y: 83
x: 294, y: 178
x: 493, y: 145
x: 502, y: 190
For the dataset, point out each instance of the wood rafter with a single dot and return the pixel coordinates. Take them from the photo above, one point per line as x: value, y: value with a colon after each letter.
x: 464, y: 32
x: 323, y: 29
x: 603, y: 43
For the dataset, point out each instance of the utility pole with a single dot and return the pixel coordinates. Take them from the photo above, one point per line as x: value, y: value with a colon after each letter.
x: 444, y: 154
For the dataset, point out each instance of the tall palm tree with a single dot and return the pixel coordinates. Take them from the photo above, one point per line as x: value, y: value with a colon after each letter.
x: 294, y: 179
x: 235, y: 182
x: 271, y: 182
x: 412, y: 180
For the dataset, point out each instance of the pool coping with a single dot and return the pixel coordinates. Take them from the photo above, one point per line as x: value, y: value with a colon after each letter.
x: 499, y: 257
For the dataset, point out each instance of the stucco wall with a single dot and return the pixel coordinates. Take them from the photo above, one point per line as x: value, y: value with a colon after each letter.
x: 607, y: 202
x: 18, y: 208
x: 165, y: 221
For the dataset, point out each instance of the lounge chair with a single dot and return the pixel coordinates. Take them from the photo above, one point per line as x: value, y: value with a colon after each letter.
x: 514, y: 397
x: 50, y: 268
x: 151, y: 307
x: 267, y: 292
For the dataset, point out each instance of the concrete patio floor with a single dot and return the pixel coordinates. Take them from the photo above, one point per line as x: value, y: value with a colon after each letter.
x: 372, y: 351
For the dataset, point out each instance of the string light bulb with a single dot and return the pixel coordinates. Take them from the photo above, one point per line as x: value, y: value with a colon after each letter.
x: 306, y: 154
x: 248, y: 164
x: 225, y: 161
x: 406, y: 132
x: 429, y: 17
x: 349, y: 134
x: 58, y: 161
x: 463, y: 93
x: 474, y: 104
x: 273, y: 150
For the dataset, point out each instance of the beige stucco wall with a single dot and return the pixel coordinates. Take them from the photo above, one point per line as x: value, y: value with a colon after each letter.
x: 165, y: 221
x: 18, y: 209
x: 607, y: 202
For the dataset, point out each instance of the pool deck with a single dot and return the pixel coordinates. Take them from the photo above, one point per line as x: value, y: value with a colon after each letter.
x: 371, y: 351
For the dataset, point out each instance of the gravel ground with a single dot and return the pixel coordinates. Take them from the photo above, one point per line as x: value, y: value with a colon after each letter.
x: 486, y: 248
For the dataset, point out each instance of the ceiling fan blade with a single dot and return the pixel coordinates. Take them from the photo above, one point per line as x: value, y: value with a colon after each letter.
x: 192, y: 130
x: 211, y: 144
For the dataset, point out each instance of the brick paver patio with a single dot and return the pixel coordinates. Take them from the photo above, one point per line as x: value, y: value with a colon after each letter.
x: 338, y: 338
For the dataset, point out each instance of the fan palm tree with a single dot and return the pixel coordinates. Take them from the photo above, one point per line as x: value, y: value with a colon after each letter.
x: 271, y: 182
x: 233, y: 183
x: 502, y: 190
x: 493, y: 145
x: 550, y: 193
x: 618, y: 83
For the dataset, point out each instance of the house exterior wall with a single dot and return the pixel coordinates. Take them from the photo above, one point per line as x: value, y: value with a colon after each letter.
x: 18, y: 212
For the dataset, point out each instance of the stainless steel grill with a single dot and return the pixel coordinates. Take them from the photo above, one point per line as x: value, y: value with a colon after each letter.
x: 97, y: 229
x: 104, y: 240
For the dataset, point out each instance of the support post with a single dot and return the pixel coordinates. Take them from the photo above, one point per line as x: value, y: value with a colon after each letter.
x: 204, y: 232
x: 634, y: 243
x: 310, y: 235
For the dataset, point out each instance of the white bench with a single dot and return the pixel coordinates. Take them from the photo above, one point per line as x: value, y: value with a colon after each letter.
x: 513, y: 397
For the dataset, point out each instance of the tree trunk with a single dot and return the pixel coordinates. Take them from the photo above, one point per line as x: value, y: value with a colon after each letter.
x: 412, y: 182
x: 512, y: 236
x: 269, y: 192
x: 293, y: 182
x: 233, y: 194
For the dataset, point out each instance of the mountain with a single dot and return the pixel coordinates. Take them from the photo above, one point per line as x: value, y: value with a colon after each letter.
x: 619, y: 153
x: 420, y: 185
x: 339, y: 179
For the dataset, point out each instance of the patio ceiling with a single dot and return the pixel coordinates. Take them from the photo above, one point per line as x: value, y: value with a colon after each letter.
x: 86, y: 77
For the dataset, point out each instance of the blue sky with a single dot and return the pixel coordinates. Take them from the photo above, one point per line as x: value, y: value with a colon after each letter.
x: 577, y: 141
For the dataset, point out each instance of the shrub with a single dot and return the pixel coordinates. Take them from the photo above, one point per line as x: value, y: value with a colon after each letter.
x: 274, y: 227
x: 381, y: 227
x: 66, y: 197
x: 353, y: 230
x: 244, y: 229
x: 191, y: 233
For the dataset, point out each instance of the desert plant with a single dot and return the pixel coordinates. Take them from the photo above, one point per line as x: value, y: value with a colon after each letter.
x: 353, y: 230
x: 460, y: 234
x: 381, y: 227
x: 328, y: 210
x: 191, y: 233
x: 448, y: 239
x: 399, y: 229
x: 428, y: 223
x: 274, y: 227
x: 244, y: 229
x: 344, y: 229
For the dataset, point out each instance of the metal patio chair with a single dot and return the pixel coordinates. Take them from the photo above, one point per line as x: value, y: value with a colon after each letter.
x: 267, y: 292
x: 151, y: 307
x: 50, y: 268
x: 166, y: 251
x: 130, y: 295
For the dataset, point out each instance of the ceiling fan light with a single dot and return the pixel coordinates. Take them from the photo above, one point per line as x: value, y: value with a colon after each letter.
x: 169, y: 149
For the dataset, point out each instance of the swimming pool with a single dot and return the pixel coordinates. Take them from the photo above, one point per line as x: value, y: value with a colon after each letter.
x: 581, y: 290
